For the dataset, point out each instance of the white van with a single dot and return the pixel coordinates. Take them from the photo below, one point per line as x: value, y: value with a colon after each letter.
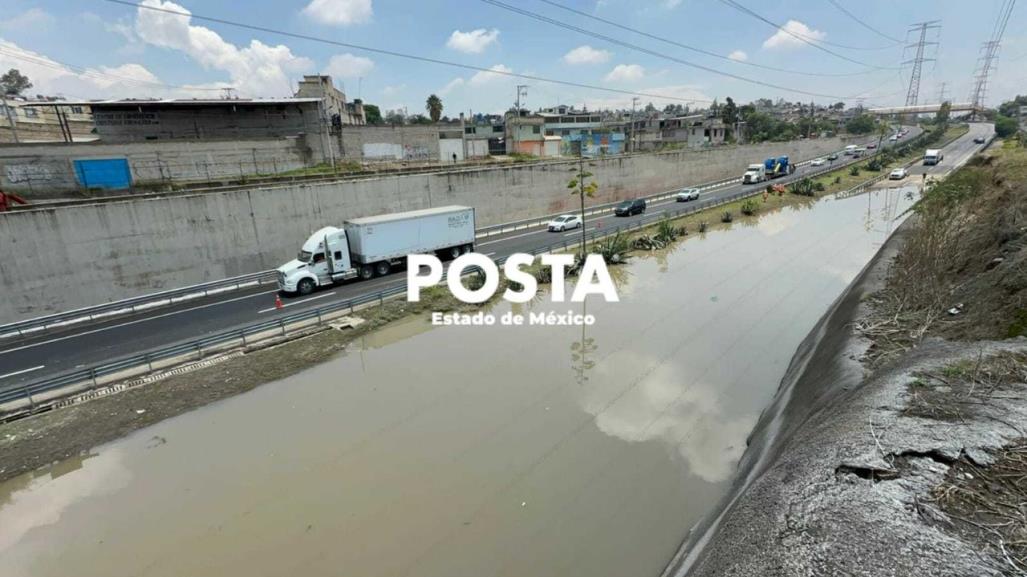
x: 850, y: 149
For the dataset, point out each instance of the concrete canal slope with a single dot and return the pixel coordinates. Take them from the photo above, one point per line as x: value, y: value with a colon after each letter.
x: 462, y: 450
x: 888, y: 450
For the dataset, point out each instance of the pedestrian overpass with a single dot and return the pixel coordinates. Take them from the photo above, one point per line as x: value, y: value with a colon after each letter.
x: 924, y: 109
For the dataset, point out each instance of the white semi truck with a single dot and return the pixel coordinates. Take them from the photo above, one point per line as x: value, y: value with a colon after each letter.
x: 754, y: 173
x: 373, y: 245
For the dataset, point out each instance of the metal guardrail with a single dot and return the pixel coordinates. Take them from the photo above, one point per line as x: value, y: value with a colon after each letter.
x: 134, y: 304
x: 63, y: 319
x: 195, y: 349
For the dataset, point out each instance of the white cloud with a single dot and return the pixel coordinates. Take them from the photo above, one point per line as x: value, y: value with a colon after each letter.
x: 785, y: 37
x: 738, y: 55
x: 473, y: 42
x: 451, y: 86
x: 51, y: 78
x: 31, y: 18
x: 675, y: 94
x: 254, y: 70
x: 393, y: 89
x: 486, y: 77
x: 348, y: 66
x: 586, y: 55
x: 340, y: 12
x: 625, y: 73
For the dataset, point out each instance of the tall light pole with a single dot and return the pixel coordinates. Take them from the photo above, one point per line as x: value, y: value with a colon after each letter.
x: 631, y: 142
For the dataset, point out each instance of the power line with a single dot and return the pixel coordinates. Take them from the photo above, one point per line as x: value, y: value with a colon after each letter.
x: 818, y: 44
x: 837, y: 5
x: 644, y: 50
x: 396, y: 54
x: 989, y: 54
x: 695, y: 49
x: 62, y: 66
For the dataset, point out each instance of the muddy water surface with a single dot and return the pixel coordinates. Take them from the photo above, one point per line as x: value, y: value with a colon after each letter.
x: 470, y: 450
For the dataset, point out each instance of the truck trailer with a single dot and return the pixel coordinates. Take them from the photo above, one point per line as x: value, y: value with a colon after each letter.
x: 372, y: 246
x: 933, y: 156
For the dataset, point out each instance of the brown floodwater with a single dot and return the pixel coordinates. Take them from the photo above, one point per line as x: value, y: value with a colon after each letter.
x: 470, y: 451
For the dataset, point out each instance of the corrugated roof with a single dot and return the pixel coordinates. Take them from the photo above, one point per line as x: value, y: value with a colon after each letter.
x: 406, y: 215
x: 174, y: 102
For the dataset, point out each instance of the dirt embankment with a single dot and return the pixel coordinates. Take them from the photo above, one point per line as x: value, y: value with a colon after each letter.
x: 917, y: 464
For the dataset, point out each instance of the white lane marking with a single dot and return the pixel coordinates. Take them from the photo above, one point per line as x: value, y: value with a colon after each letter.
x: 510, y: 237
x: 298, y: 302
x: 21, y: 372
x: 64, y: 338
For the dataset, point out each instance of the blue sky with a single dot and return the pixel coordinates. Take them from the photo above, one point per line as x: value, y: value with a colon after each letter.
x: 121, y: 51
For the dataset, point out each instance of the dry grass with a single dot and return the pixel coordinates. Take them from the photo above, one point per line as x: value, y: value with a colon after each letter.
x: 965, y: 248
x: 988, y: 505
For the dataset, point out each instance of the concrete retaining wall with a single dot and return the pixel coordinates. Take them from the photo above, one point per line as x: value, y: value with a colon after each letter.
x: 47, y: 170
x: 64, y: 258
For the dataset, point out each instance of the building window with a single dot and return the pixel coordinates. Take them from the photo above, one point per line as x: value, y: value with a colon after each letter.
x: 468, y: 130
x: 31, y: 112
x: 76, y: 110
x: 565, y: 132
x: 549, y: 133
x: 536, y: 129
x: 497, y: 129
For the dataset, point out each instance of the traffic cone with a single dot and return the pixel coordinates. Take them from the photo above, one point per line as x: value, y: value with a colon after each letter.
x: 278, y: 302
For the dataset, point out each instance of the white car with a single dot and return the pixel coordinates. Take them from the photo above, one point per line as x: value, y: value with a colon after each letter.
x: 687, y: 194
x: 817, y: 162
x: 564, y: 222
x: 898, y: 174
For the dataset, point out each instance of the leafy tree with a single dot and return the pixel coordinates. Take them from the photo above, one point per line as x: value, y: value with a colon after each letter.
x: 434, y: 107
x: 583, y: 184
x: 729, y: 112
x: 1011, y: 108
x: 373, y: 114
x: 862, y: 124
x: 838, y: 106
x: 14, y: 82
x: 1005, y: 126
x: 419, y: 119
x: 395, y: 117
x: 944, y: 111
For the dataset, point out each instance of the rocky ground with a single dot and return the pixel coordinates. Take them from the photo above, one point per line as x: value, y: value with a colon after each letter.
x: 916, y: 464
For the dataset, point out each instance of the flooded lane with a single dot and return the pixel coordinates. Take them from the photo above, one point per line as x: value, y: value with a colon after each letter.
x: 470, y: 450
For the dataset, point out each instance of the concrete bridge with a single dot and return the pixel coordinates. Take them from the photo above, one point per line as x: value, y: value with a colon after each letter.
x: 924, y: 108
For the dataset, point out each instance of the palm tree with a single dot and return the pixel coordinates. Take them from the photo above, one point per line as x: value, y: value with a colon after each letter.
x: 434, y: 107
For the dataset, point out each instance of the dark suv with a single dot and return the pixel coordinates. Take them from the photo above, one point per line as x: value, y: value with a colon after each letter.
x: 630, y: 207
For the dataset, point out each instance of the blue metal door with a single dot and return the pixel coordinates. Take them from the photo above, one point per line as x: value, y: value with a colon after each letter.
x: 103, y: 173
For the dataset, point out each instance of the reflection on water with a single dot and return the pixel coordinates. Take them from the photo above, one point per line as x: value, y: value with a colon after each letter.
x: 471, y: 450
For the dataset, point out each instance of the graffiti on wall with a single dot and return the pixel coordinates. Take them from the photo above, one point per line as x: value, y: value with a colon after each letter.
x: 393, y: 151
x: 27, y: 173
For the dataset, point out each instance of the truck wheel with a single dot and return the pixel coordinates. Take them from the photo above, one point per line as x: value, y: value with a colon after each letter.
x: 366, y: 272
x: 454, y: 252
x: 382, y: 268
x: 467, y: 248
x: 305, y: 286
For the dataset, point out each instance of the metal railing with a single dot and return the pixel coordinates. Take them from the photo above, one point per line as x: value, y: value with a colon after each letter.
x: 134, y: 304
x: 168, y: 356
x: 143, y: 302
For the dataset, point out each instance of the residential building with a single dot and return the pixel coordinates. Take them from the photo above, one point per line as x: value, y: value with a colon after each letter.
x: 334, y: 106
x: 44, y: 120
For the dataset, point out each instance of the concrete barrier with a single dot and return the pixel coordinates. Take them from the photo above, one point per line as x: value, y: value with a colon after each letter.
x: 59, y: 259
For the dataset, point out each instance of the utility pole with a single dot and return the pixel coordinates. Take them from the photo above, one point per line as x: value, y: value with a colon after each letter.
x: 522, y: 90
x: 631, y: 137
x: 921, y: 29
x: 985, y: 64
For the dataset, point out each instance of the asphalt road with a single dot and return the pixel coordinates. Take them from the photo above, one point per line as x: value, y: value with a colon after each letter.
x: 26, y: 359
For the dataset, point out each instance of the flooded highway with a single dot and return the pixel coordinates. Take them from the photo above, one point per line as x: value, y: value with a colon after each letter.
x: 471, y: 451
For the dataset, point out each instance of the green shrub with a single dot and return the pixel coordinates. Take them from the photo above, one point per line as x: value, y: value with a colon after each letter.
x: 750, y: 207
x: 854, y: 171
x: 726, y: 217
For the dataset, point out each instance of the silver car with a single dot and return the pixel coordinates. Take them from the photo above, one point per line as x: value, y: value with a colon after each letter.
x: 687, y: 194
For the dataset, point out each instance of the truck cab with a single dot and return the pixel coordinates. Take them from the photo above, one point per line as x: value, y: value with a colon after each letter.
x: 754, y: 173
x: 315, y: 266
x: 933, y: 156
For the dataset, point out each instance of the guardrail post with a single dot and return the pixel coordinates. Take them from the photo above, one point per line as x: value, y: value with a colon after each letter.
x: 28, y: 395
x: 149, y: 362
x: 319, y: 317
x: 92, y: 375
x: 199, y: 350
x: 281, y: 323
